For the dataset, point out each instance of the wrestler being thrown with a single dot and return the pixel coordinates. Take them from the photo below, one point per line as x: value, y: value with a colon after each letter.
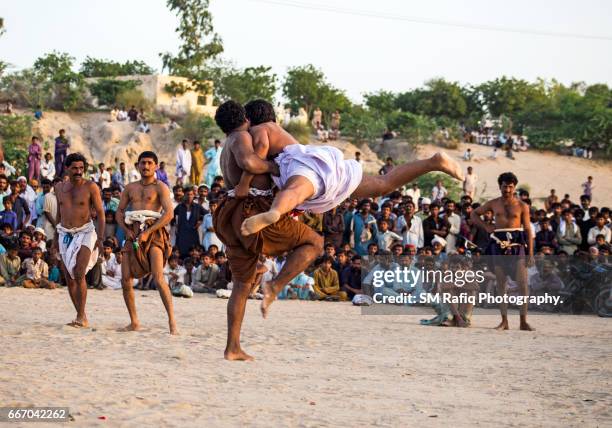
x: 509, y: 237
x: 76, y: 238
x: 318, y: 178
x: 147, y: 246
x: 300, y: 242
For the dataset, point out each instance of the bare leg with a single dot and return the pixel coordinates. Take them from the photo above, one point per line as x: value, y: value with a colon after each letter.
x: 298, y: 260
x: 157, y: 270
x: 502, y: 284
x: 371, y: 186
x: 127, y: 285
x: 235, y: 314
x: 523, y: 283
x: 71, y: 284
x: 80, y: 290
x: 296, y: 190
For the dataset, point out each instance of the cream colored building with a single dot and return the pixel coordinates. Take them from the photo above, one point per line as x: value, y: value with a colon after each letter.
x: 153, y: 88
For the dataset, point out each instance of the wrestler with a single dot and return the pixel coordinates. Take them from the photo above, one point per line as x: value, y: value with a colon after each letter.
x: 147, y: 246
x: 76, y: 239
x: 509, y: 237
x: 286, y: 235
x: 318, y: 178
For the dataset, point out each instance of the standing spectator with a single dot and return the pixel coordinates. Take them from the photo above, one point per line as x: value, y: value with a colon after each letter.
x: 335, y: 125
x: 5, y: 190
x: 197, y: 164
x: 387, y: 167
x: 438, y: 192
x: 454, y: 221
x: 317, y: 118
x: 469, y: 184
x: 434, y: 225
x: 161, y: 174
x: 385, y: 237
x: 134, y: 174
x: 30, y: 193
x: 480, y: 236
x: 333, y: 227
x: 414, y: 192
x: 363, y: 228
x: 550, y: 200
x: 61, y: 151
x: 210, y: 237
x: 47, y: 204
x: 411, y: 227
x: 47, y: 167
x: 188, y: 218
x: 587, y: 187
x: 213, y: 156
x: 120, y: 177
x: 34, y: 158
x: 183, y: 163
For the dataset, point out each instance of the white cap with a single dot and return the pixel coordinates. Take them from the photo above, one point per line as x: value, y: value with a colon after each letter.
x: 425, y: 201
x: 439, y: 239
x: 40, y: 230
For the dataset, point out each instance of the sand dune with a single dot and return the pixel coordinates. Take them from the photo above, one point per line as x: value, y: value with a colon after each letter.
x: 318, y: 364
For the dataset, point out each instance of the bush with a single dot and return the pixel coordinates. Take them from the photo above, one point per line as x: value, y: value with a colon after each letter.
x: 15, y: 133
x: 299, y: 131
x: 196, y: 126
x: 428, y: 181
x: 134, y: 97
x: 107, y: 90
x: 412, y: 127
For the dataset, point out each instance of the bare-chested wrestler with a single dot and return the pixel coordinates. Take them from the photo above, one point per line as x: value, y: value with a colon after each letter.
x: 318, y: 178
x: 76, y: 238
x: 509, y: 237
x: 302, y: 243
x: 147, y: 246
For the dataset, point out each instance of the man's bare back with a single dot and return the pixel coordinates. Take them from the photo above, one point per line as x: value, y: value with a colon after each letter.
x: 272, y: 136
x: 233, y: 161
x: 75, y: 202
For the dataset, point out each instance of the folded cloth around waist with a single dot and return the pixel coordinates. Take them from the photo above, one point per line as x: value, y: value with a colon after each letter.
x: 138, y: 256
x: 70, y: 243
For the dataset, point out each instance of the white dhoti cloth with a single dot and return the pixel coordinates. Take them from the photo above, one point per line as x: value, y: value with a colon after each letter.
x: 71, y: 241
x: 334, y: 178
x: 140, y: 216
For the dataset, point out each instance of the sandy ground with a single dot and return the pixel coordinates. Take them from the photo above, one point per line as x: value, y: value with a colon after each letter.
x: 541, y: 171
x: 318, y: 364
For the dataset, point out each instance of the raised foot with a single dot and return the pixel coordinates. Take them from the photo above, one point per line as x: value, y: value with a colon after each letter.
x: 526, y: 327
x: 448, y: 165
x: 130, y: 327
x: 77, y: 323
x: 268, y: 297
x: 239, y: 355
x: 502, y: 326
x: 259, y: 221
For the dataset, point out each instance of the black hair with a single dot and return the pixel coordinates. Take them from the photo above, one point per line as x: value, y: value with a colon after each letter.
x: 229, y: 116
x: 148, y: 155
x: 326, y: 259
x: 75, y: 157
x: 355, y: 257
x: 508, y: 178
x: 45, y: 181
x: 260, y: 111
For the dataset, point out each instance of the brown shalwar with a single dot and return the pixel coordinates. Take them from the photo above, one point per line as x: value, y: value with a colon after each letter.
x: 139, y: 259
x: 243, y: 251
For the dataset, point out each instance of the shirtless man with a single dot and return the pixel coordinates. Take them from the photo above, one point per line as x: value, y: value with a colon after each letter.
x: 147, y: 246
x: 509, y: 237
x: 286, y: 235
x: 76, y: 238
x: 318, y: 178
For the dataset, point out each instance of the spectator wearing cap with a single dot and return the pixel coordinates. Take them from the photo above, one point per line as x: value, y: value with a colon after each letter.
x: 424, y: 211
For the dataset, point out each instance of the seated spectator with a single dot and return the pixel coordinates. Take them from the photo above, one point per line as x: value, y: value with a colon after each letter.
x: 10, y: 265
x: 111, y: 267
x: 300, y: 287
x: 38, y: 113
x: 568, y: 233
x: 111, y: 224
x: 175, y: 276
x: 224, y: 276
x: 350, y: 280
x: 545, y: 237
x: 36, y: 272
x: 25, y: 245
x: 113, y: 114
x: 326, y: 282
x: 122, y: 115
x: 40, y: 239
x: 133, y: 114
x: 467, y: 156
x: 205, y: 277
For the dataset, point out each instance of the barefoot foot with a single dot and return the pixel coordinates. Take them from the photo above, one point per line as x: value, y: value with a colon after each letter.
x: 268, y: 297
x: 446, y: 164
x: 527, y: 327
x: 503, y: 326
x: 130, y: 327
x: 257, y: 222
x: 174, y: 329
x: 79, y: 323
x: 238, y: 355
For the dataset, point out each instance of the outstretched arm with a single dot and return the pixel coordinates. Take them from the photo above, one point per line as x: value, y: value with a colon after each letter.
x: 261, y: 145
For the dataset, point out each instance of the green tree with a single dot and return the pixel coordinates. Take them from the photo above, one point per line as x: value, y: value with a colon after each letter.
x: 381, y: 101
x: 199, y: 42
x: 108, y: 90
x: 94, y: 67
x: 15, y: 132
x: 64, y: 88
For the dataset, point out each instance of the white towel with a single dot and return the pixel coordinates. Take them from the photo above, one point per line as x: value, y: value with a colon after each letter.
x: 71, y: 241
x: 333, y: 177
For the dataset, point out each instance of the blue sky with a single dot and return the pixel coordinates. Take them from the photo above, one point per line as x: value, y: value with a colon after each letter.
x: 357, y: 53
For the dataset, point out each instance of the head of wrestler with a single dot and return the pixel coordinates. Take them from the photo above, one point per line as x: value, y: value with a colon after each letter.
x: 259, y: 111
x: 507, y: 184
x: 230, y: 117
x: 147, y: 165
x: 76, y: 165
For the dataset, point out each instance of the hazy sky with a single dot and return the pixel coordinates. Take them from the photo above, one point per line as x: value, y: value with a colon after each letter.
x: 357, y: 53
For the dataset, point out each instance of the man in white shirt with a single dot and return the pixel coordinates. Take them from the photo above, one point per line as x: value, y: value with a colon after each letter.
x: 134, y: 174
x: 47, y: 167
x: 414, y: 193
x: 439, y: 192
x: 469, y: 184
x: 30, y: 195
x: 183, y: 163
x: 411, y: 227
x: 455, y: 226
x: 599, y: 229
x: 111, y: 267
x: 385, y: 238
